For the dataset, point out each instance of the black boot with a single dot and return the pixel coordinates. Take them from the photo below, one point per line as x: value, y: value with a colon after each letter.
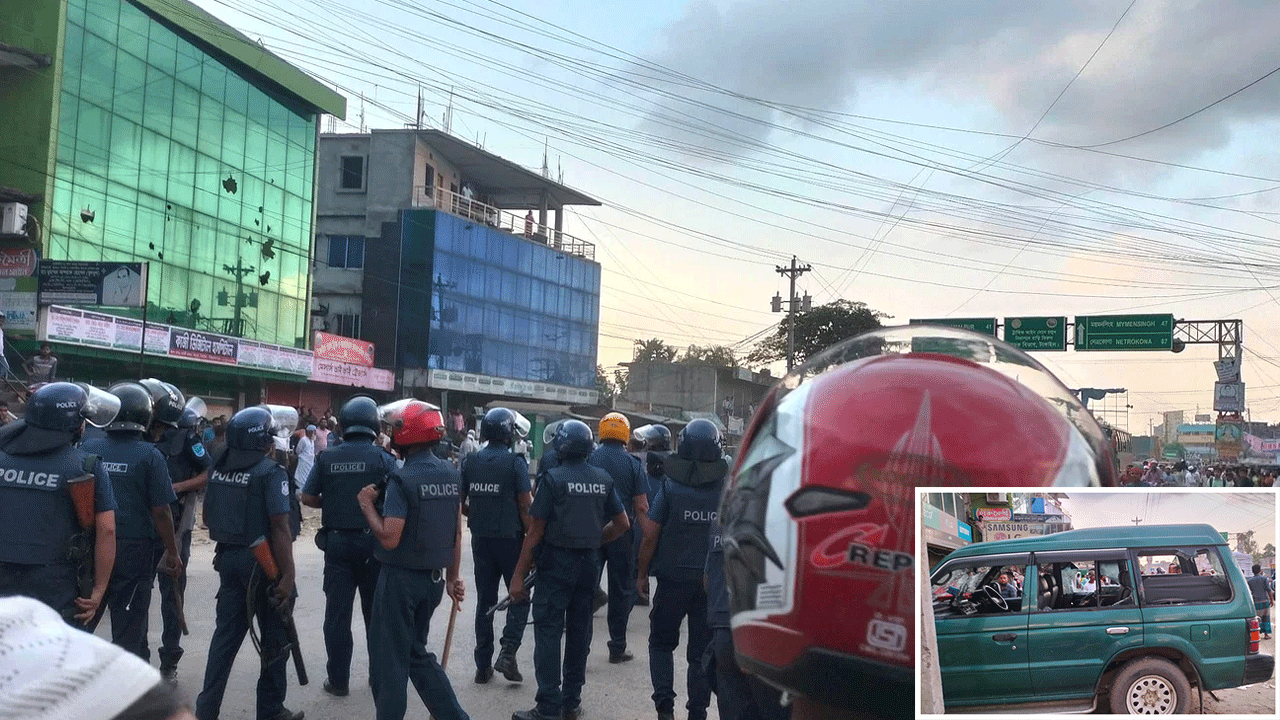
x: 506, y: 664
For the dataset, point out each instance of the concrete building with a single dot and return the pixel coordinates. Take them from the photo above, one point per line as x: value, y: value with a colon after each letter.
x: 454, y: 263
x: 1198, y: 439
x: 149, y: 132
x: 727, y: 396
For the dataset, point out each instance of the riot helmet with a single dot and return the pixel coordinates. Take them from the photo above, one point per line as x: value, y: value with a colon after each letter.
x: 166, y: 401
x: 135, y: 408
x: 412, y: 422
x: 615, y: 426
x: 498, y: 426
x: 195, y: 411
x: 657, y: 437
x: 359, y: 416
x: 700, y: 442
x: 250, y: 433
x: 573, y: 440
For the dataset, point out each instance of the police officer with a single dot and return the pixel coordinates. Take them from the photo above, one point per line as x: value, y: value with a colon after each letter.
x: 419, y: 535
x: 676, y: 540
x: 349, y: 563
x: 738, y: 695
x: 38, y: 505
x: 575, y: 512
x: 174, y: 431
x: 144, y: 524
x: 630, y: 485
x: 657, y: 447
x: 248, y: 499
x: 495, y: 498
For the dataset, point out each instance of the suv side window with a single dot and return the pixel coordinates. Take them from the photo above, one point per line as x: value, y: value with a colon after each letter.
x: 978, y: 588
x: 1183, y: 576
x: 1067, y: 583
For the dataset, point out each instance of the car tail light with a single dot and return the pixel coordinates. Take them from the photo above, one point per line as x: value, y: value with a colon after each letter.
x: 1254, y: 634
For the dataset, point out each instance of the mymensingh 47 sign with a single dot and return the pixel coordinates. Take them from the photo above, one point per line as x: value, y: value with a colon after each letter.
x: 1124, y: 332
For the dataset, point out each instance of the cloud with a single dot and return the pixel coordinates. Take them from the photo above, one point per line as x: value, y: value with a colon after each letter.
x: 1166, y: 59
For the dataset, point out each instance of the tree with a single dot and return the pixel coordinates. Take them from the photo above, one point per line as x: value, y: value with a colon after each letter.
x: 620, y: 379
x: 817, y: 330
x: 1268, y: 551
x: 605, y: 386
x: 715, y: 355
x: 654, y: 350
x: 1245, y: 543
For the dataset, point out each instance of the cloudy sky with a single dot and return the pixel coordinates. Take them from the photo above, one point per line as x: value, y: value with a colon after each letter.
x: 1227, y: 512
x: 960, y: 159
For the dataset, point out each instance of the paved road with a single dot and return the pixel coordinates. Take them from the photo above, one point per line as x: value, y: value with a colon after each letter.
x: 617, y: 692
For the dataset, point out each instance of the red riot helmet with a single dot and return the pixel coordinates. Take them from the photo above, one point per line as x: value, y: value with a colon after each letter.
x: 413, y: 422
x: 819, y: 534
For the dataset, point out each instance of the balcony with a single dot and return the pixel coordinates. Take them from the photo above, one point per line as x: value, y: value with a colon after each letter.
x: 527, y: 226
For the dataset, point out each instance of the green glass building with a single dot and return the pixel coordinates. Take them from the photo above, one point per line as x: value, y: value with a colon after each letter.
x: 149, y: 131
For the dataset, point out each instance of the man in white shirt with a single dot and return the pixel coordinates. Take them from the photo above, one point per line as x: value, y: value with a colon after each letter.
x: 306, y: 452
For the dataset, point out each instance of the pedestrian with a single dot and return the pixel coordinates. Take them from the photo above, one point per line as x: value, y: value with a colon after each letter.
x: 349, y: 547
x: 469, y: 445
x: 42, y: 550
x: 247, y: 501
x: 6, y: 416
x: 495, y: 498
x: 739, y: 696
x: 42, y: 368
x: 306, y: 453
x: 619, y: 556
x: 144, y: 523
x: 1264, y: 597
x: 173, y: 430
x: 62, y: 673
x: 322, y: 436
x: 676, y: 537
x: 419, y: 532
x: 574, y: 513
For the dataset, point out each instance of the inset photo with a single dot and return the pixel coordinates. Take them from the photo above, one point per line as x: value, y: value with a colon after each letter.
x: 1155, y: 602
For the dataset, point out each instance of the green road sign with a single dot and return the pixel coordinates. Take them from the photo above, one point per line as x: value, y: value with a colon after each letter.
x: 1036, y: 333
x: 986, y: 326
x: 1124, y: 332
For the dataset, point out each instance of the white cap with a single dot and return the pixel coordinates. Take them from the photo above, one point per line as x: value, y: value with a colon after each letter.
x: 52, y: 671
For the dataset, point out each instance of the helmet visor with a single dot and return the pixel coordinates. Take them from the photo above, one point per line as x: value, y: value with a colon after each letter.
x: 549, y: 432
x: 284, y: 418
x: 522, y: 425
x: 101, y: 406
x: 392, y: 414
x: 198, y: 406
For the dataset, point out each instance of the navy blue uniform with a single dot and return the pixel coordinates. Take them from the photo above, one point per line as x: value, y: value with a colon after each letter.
x: 38, y: 522
x: 620, y: 555
x: 738, y: 696
x: 684, y: 513
x: 576, y: 500
x: 186, y: 457
x: 239, y: 505
x: 492, y: 481
x: 140, y: 481
x: 349, y: 563
x: 425, y: 493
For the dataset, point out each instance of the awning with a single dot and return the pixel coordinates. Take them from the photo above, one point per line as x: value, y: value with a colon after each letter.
x: 508, y: 184
x: 19, y: 57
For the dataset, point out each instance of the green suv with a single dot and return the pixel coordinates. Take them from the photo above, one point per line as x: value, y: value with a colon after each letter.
x: 1134, y: 615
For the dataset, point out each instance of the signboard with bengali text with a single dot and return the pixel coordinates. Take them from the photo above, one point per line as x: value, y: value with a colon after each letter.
x: 1036, y: 333
x: 327, y: 346
x: 76, y: 282
x: 1124, y: 332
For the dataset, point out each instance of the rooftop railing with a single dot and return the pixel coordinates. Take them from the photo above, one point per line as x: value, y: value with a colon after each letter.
x: 527, y: 226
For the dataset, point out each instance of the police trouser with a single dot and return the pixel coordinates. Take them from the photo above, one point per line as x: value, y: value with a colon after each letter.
x: 349, y: 566
x: 619, y: 555
x: 738, y: 696
x: 673, y: 601
x: 402, y: 609
x: 54, y: 585
x: 171, y: 619
x: 236, y: 566
x: 129, y: 594
x: 562, y: 599
x: 495, y: 559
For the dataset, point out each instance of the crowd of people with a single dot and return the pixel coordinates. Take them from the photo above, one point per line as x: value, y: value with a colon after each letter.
x: 127, y: 464
x: 1181, y: 473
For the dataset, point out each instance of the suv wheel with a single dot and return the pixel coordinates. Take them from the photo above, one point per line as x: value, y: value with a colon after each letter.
x: 1150, y: 686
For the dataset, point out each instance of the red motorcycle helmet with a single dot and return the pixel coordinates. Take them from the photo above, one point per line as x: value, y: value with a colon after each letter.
x: 819, y: 529
x: 413, y: 422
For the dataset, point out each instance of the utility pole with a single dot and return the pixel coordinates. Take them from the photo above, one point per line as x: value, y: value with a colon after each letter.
x: 792, y: 272
x: 239, y: 271
x: 1135, y: 521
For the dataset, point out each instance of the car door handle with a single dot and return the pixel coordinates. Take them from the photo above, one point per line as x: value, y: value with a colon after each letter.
x: 1004, y: 637
x: 1118, y: 631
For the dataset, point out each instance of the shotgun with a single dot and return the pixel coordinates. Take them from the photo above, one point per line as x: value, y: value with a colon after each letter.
x: 262, y: 552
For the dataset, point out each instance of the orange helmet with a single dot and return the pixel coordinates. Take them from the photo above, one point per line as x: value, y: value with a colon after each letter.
x: 615, y: 426
x: 819, y: 527
x: 413, y: 422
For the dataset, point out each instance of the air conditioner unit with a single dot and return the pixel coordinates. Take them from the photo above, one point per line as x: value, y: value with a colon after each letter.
x: 997, y: 499
x: 13, y: 219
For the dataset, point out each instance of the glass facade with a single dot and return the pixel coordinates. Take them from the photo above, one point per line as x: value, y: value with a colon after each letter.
x: 186, y: 165
x: 510, y: 308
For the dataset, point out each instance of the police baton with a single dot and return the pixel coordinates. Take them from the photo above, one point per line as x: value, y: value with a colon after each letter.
x: 505, y: 602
